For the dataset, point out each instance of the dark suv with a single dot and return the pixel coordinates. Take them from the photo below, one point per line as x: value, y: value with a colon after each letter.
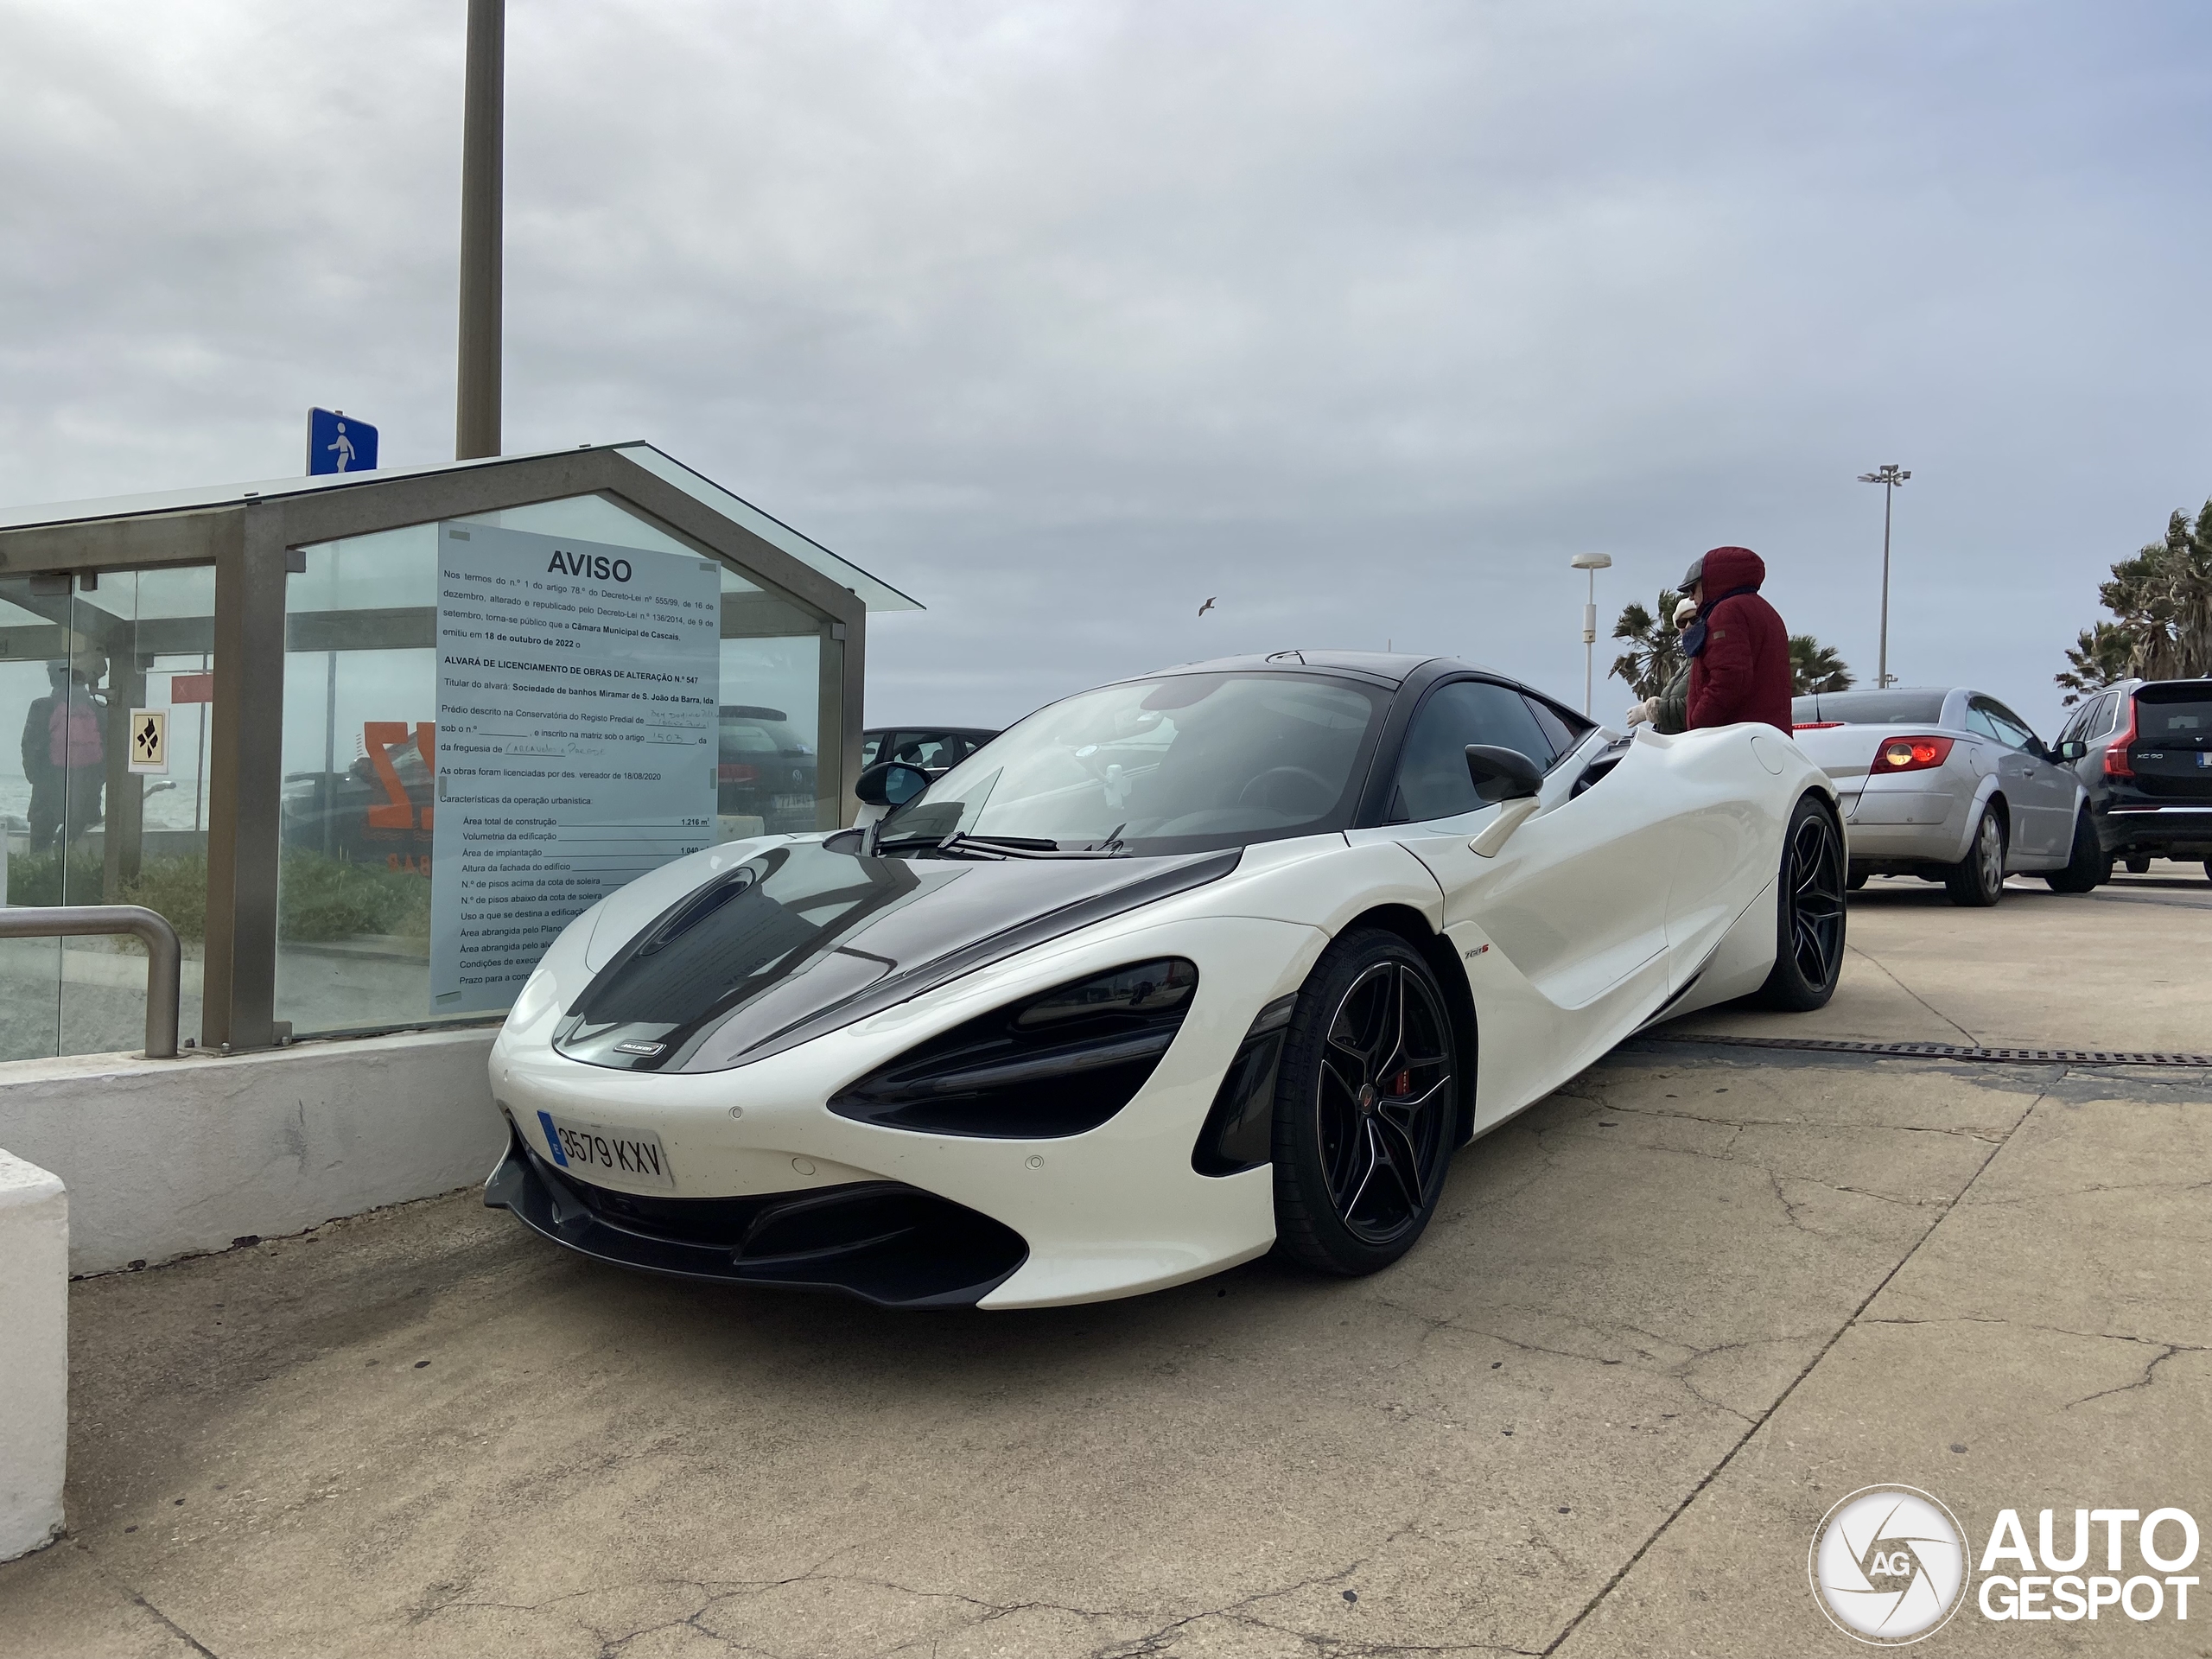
x: 2143, y: 749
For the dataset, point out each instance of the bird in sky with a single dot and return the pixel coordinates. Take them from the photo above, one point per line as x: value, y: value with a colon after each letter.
x: 1208, y: 606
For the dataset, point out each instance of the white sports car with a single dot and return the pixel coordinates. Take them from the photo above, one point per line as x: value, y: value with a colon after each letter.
x: 1225, y: 959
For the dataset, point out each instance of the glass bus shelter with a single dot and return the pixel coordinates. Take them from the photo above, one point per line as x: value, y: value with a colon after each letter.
x: 230, y: 705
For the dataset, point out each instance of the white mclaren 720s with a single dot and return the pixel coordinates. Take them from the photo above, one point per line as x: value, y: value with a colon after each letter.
x: 1229, y: 958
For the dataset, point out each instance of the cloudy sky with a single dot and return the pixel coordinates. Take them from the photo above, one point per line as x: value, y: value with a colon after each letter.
x: 1363, y: 318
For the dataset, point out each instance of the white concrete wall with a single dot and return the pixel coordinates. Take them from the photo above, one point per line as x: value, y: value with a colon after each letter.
x: 34, y: 1354
x: 167, y: 1158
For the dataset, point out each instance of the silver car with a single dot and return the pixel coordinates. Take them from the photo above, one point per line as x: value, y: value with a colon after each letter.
x: 1949, y: 786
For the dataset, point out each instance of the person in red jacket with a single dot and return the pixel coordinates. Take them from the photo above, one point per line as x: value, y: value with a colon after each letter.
x: 1739, y: 647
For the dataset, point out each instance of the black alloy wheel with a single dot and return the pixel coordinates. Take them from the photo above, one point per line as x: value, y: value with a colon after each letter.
x: 1365, y: 1107
x: 1978, y: 878
x: 2086, y: 866
x: 1809, y: 916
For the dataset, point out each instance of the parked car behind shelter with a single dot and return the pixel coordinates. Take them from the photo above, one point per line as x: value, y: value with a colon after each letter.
x: 1950, y: 785
x: 2143, y: 751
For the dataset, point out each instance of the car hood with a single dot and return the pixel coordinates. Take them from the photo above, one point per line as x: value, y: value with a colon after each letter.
x: 801, y: 938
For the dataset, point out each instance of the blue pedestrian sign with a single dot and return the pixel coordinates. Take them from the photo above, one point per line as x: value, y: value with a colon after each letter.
x: 338, y: 443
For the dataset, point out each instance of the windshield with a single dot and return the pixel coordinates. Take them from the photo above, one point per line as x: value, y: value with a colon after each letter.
x: 1188, y: 762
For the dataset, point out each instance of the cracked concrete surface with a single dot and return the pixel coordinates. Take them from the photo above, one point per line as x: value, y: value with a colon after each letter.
x: 1662, y: 1321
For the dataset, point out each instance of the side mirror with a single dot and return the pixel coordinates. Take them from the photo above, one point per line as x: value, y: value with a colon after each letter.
x: 2073, y: 749
x: 890, y: 784
x: 1503, y: 774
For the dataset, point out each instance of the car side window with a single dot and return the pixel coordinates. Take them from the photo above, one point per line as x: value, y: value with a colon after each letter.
x: 2107, y: 715
x: 2012, y: 730
x: 1555, y: 725
x: 1978, y: 720
x: 870, y: 744
x: 1433, y: 780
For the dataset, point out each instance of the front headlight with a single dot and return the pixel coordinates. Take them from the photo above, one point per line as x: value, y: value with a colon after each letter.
x: 1055, y: 1064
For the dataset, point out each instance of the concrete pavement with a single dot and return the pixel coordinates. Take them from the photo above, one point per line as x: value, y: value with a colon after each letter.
x: 1664, y: 1319
x: 2124, y: 967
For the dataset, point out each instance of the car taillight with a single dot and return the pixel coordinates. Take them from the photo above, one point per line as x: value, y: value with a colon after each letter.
x: 2116, y: 761
x: 1911, y: 754
x: 736, y: 772
x: 1815, y: 725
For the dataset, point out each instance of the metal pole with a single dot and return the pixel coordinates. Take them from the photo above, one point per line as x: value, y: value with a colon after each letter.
x: 1882, y: 667
x: 1590, y: 645
x: 476, y: 404
x: 163, y: 956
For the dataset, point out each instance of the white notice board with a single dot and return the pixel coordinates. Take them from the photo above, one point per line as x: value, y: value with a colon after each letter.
x: 577, y: 694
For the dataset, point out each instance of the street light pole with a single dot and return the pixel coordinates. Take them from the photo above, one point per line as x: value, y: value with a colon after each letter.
x: 1889, y: 477
x: 476, y: 400
x: 1593, y: 562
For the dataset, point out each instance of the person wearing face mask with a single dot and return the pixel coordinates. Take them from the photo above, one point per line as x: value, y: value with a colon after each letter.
x: 1739, y: 647
x: 1669, y: 712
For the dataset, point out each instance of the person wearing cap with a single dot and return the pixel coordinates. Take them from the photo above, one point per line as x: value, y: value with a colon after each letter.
x: 1669, y: 712
x: 1739, y: 647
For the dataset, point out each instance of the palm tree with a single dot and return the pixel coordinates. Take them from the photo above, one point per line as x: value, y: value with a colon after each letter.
x: 1655, y: 653
x: 1815, y: 667
x: 2162, y: 601
x: 2098, y: 657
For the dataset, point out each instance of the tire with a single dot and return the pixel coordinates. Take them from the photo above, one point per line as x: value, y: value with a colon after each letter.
x: 2138, y: 867
x: 1858, y: 880
x: 2208, y: 869
x: 1978, y: 878
x: 1809, y: 914
x: 2086, y: 867
x: 1366, y: 1107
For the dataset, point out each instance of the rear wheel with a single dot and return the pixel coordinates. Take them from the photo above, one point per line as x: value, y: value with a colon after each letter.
x: 1978, y: 878
x: 1366, y: 1107
x: 2086, y: 866
x: 1808, y: 914
x: 2138, y: 867
x: 1858, y: 880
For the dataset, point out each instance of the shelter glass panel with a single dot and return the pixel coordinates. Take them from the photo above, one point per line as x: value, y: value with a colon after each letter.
x: 108, y: 680
x: 356, y: 919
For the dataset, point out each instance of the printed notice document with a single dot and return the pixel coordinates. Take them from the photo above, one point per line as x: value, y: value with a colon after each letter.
x: 577, y: 693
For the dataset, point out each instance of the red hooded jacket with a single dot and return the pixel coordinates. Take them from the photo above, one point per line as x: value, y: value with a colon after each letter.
x: 1743, y: 673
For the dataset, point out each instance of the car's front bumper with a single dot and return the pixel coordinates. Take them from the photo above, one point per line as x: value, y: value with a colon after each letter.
x: 882, y: 1241
x: 1109, y: 1212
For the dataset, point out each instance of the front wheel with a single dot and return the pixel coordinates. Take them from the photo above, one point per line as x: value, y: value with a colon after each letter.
x: 2086, y: 867
x: 1978, y: 878
x: 1365, y: 1109
x: 1808, y: 914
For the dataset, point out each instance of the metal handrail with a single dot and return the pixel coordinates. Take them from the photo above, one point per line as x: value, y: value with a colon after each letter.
x: 164, y: 969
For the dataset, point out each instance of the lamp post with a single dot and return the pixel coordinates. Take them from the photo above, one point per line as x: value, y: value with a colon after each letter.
x: 1889, y: 477
x: 1593, y: 562
x: 483, y: 122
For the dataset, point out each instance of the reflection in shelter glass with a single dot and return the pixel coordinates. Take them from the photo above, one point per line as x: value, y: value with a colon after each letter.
x: 92, y: 671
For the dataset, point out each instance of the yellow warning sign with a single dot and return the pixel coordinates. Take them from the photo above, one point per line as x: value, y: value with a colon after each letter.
x: 150, y: 741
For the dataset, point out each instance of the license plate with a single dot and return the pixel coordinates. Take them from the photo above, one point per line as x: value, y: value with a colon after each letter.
x: 2204, y: 757
x: 632, y: 1157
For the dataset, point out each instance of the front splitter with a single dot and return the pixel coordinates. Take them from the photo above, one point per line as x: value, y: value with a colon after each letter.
x: 883, y: 1242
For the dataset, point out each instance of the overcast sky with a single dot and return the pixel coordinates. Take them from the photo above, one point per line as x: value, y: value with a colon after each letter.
x: 1362, y: 317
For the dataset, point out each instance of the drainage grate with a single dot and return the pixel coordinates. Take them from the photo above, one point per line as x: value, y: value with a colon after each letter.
x: 1952, y: 1051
